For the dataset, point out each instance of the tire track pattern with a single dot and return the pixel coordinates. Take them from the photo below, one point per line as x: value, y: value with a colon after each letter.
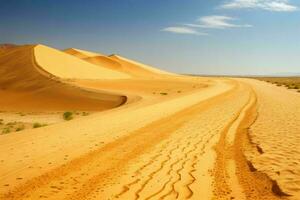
x: 170, y: 170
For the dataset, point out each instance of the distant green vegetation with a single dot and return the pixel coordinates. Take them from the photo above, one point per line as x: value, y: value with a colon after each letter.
x: 6, y: 130
x: 11, y: 126
x: 38, y: 125
x: 68, y: 115
x: 20, y: 128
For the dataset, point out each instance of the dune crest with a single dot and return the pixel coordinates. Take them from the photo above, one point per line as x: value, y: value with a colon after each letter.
x: 117, y: 63
x: 69, y: 67
x: 81, y: 53
x: 133, y: 64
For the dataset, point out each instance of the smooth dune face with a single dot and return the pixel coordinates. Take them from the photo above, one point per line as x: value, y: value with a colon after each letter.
x: 117, y: 63
x: 142, y: 66
x: 24, y: 87
x: 87, y: 53
x: 81, y: 53
x: 73, y: 52
x: 96, y: 59
x: 66, y: 66
x: 106, y: 62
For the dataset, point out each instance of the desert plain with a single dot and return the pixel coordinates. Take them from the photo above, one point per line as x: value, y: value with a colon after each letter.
x: 76, y: 124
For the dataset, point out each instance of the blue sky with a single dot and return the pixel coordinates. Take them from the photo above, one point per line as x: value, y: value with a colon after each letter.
x: 190, y: 36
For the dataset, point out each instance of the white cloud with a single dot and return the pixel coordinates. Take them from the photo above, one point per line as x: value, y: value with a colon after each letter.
x: 217, y: 22
x: 182, y: 30
x: 271, y: 5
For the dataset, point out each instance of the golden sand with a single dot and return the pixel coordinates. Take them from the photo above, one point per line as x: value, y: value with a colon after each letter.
x: 118, y: 63
x: 175, y: 137
x: 66, y: 66
x: 24, y: 86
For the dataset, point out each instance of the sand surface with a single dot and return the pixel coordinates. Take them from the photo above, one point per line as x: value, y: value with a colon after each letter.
x: 175, y: 137
x: 24, y: 86
x: 118, y: 63
x: 65, y: 66
x: 276, y: 135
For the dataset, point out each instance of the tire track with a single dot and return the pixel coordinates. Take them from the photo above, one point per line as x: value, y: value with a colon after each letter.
x: 151, y: 175
x: 169, y: 172
x: 183, y: 159
x: 127, y: 187
x: 231, y: 153
x: 114, y: 155
x: 178, y: 176
x: 182, y: 167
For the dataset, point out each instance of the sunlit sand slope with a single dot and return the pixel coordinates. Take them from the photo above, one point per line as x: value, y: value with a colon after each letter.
x: 107, y: 62
x: 117, y: 63
x: 64, y: 65
x: 24, y: 85
x: 81, y: 53
x: 137, y: 68
x: 275, y: 137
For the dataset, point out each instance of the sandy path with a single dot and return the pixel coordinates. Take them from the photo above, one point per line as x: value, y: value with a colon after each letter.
x: 183, y: 147
x: 179, y: 167
x: 36, y: 153
x: 275, y: 137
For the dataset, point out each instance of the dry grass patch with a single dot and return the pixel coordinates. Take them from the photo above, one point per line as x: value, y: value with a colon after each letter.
x: 289, y: 82
x: 38, y: 125
x: 164, y: 93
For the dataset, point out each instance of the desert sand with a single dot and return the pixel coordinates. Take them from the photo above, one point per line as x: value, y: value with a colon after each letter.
x: 118, y: 63
x: 151, y: 134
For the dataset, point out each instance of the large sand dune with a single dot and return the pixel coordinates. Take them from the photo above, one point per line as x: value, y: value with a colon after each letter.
x: 177, y: 137
x: 28, y: 85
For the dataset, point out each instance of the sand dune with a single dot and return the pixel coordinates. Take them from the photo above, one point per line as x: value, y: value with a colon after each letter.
x: 118, y: 63
x: 138, y: 68
x: 178, y: 137
x: 23, y: 79
x: 81, y: 53
x: 65, y: 66
x: 97, y: 59
x: 105, y: 61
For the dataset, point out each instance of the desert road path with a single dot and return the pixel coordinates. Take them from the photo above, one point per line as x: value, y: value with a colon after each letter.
x: 188, y: 147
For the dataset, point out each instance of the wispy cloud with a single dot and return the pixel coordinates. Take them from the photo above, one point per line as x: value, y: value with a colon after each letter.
x: 182, y: 30
x: 271, y: 5
x: 217, y: 22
